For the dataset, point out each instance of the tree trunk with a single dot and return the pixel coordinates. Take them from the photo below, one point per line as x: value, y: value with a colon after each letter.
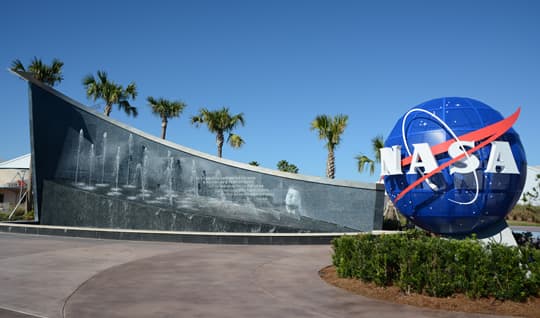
x: 330, y: 165
x: 108, y: 109
x: 219, y: 142
x: 163, y: 127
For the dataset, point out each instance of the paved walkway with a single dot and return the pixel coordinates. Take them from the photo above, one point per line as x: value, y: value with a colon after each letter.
x: 43, y: 276
x: 525, y: 228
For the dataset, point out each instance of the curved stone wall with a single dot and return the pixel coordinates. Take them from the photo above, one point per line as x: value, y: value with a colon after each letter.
x: 93, y: 171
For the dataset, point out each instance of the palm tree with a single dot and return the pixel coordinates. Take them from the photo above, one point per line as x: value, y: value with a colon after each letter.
x: 285, y: 166
x: 220, y: 122
x: 111, y: 93
x: 377, y: 143
x: 47, y: 74
x: 330, y: 129
x: 165, y: 109
x: 364, y: 161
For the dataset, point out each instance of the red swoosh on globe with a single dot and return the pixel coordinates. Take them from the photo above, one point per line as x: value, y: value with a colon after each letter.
x: 490, y: 132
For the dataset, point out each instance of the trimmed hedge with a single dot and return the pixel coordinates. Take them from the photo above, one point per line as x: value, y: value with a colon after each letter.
x: 439, y: 267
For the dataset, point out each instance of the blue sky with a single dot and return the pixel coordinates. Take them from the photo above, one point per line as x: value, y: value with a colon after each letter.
x: 281, y: 63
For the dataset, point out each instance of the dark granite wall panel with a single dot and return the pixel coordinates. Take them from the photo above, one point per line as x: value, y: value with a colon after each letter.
x: 91, y: 171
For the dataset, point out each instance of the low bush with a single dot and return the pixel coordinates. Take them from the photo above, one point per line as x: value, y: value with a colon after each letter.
x: 525, y: 212
x: 29, y: 216
x: 19, y: 214
x: 416, y: 262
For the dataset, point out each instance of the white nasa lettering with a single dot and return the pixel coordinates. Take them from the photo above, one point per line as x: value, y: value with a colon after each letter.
x: 466, y: 165
x: 500, y: 157
x: 422, y: 158
x: 391, y: 161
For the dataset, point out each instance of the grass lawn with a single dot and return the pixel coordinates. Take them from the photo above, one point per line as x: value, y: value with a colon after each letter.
x: 522, y: 223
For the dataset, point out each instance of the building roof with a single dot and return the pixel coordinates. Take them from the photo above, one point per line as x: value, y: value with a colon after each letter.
x: 22, y: 162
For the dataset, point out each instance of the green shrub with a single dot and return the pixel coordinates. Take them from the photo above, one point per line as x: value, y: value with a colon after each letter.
x: 507, y: 266
x: 386, y: 259
x: 414, y: 263
x: 346, y: 256
x: 532, y: 283
x: 471, y: 275
x: 29, y: 216
x: 439, y: 267
x: 19, y: 214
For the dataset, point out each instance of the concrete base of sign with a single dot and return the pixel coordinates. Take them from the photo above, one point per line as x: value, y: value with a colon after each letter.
x: 504, y: 237
x: 498, y: 233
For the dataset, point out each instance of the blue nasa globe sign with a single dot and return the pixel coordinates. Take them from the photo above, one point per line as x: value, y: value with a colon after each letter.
x: 454, y: 165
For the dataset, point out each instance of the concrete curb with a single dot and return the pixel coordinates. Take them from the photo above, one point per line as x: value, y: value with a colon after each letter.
x: 180, y: 237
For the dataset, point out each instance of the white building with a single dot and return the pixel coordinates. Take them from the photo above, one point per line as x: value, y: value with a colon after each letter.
x: 532, y: 172
x: 14, y: 177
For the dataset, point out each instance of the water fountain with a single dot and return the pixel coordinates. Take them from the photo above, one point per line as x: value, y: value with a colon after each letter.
x: 129, y: 159
x: 103, y: 158
x: 138, y: 172
x: 169, y: 179
x: 81, y: 139
x: 143, y: 173
x: 91, y: 159
x: 170, y: 176
x: 116, y: 190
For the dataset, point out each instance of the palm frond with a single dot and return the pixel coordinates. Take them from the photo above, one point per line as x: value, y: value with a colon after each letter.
x: 330, y: 128
x: 321, y: 123
x: 18, y: 66
x: 88, y: 79
x: 110, y: 92
x: 377, y: 143
x: 364, y: 162
x: 219, y: 122
x: 133, y: 111
x: 102, y: 75
x: 151, y: 100
x: 235, y: 141
x: 196, y: 120
x: 131, y: 90
x: 127, y: 108
x: 166, y: 108
x: 285, y: 166
x: 237, y: 119
x: 47, y: 74
x: 337, y: 127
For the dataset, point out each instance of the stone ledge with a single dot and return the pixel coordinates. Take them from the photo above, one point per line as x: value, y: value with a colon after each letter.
x: 180, y: 237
